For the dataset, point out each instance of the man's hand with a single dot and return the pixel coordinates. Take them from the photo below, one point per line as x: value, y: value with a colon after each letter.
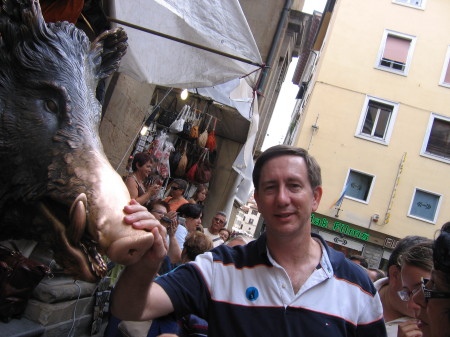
x: 409, y: 329
x: 140, y: 218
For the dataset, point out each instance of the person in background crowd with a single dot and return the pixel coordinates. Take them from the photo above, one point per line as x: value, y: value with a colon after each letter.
x: 433, y: 300
x: 160, y: 210
x: 238, y: 240
x: 217, y: 223
x: 142, y: 167
x: 395, y: 311
x: 199, y: 195
x: 192, y: 213
x: 287, y: 282
x: 358, y: 259
x: 196, y: 243
x: 175, y: 198
x: 416, y: 263
x: 375, y: 274
x: 224, y: 234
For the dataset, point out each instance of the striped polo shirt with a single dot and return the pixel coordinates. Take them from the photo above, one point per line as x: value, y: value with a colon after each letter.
x: 243, y: 291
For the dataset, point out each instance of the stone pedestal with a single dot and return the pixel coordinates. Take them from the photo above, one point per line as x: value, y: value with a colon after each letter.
x: 61, y: 306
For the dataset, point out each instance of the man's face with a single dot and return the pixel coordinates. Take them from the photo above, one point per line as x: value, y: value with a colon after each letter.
x: 158, y: 211
x: 176, y: 191
x: 217, y: 223
x: 411, y: 283
x: 285, y: 197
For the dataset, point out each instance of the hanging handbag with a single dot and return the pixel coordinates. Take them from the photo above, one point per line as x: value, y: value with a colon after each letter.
x: 211, y: 141
x: 177, y: 125
x: 187, y: 126
x: 181, y: 167
x: 194, y: 132
x: 203, y: 173
x: 169, y: 114
x: 201, y: 140
x: 18, y: 277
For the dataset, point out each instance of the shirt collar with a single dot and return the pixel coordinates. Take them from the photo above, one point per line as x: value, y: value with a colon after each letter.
x: 325, y: 261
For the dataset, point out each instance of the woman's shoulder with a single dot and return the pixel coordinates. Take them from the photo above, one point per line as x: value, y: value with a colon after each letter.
x: 192, y: 201
x: 130, y: 179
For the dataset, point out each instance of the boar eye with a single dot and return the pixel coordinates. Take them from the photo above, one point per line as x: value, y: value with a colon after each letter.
x: 51, y: 106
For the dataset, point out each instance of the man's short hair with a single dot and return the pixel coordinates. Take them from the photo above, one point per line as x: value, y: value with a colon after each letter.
x: 419, y: 255
x: 401, y: 247
x: 313, y: 168
x: 222, y: 214
x: 362, y: 260
x: 181, y: 183
x: 379, y: 274
x: 152, y: 205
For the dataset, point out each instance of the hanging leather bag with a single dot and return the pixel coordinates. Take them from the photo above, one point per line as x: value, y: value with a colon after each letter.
x: 211, y: 141
x: 169, y: 114
x: 19, y: 275
x: 203, y: 173
x: 201, y: 140
x: 187, y: 126
x: 181, y: 167
x: 177, y: 125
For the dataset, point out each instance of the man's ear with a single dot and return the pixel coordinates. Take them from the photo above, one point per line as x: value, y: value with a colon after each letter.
x: 317, y: 195
x: 256, y: 196
x: 395, y: 275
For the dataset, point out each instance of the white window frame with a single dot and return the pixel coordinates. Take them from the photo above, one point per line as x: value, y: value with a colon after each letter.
x: 423, y: 152
x: 437, y: 207
x: 386, y: 33
x: 421, y: 6
x: 389, y: 127
x: 444, y: 69
x: 369, y: 194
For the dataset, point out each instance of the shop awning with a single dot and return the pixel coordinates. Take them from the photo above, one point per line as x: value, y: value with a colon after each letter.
x: 218, y: 25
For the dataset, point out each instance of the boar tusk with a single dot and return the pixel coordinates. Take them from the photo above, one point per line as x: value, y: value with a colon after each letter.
x: 77, y: 216
x: 59, y: 228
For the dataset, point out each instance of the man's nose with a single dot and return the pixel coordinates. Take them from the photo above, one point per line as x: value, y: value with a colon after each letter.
x: 282, y: 195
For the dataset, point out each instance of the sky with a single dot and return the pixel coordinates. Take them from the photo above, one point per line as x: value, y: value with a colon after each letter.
x: 286, y: 100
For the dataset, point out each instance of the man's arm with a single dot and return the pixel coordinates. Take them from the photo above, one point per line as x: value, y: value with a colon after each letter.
x: 135, y: 296
x: 174, y: 251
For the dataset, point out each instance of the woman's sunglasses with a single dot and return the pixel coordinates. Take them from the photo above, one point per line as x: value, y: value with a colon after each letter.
x: 428, y: 293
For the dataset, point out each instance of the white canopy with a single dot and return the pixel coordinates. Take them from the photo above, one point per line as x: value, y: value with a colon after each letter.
x: 219, y: 25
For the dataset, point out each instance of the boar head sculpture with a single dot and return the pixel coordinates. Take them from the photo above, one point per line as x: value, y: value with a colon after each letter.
x: 56, y: 184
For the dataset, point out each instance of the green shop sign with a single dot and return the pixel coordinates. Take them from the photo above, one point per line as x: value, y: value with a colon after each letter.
x: 339, y: 227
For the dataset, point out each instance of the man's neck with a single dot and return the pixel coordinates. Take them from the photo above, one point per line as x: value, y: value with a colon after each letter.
x: 213, y: 232
x: 292, y: 250
x: 299, y: 257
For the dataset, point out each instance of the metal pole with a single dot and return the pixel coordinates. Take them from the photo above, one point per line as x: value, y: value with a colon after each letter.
x: 192, y: 44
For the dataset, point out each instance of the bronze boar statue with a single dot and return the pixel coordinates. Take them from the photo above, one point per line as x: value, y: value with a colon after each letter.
x: 56, y: 184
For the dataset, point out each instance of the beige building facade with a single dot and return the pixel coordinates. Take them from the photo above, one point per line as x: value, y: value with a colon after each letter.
x: 375, y: 113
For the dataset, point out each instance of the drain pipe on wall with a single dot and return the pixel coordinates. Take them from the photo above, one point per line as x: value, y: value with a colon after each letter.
x: 273, y: 47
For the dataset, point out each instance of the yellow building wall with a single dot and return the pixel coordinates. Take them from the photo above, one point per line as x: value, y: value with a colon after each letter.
x: 346, y: 73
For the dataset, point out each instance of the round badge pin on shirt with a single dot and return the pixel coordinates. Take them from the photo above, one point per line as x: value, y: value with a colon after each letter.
x: 252, y: 293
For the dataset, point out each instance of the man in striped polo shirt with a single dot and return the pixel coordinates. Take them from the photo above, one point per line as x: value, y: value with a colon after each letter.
x: 286, y: 283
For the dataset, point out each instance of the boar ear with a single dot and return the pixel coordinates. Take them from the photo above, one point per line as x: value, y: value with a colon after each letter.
x: 107, y: 50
